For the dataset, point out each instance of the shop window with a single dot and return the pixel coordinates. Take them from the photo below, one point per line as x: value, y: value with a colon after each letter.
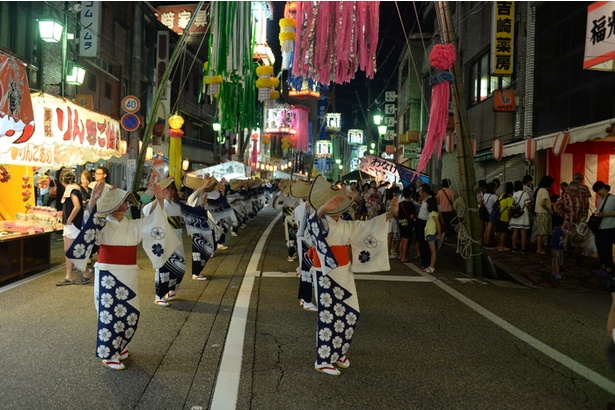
x: 107, y: 91
x: 92, y: 83
x: 482, y: 83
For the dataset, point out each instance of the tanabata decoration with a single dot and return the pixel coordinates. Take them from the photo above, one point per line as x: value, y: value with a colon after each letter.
x: 441, y: 57
x: 273, y: 93
x: 263, y: 83
x: 335, y: 39
x: 287, y: 40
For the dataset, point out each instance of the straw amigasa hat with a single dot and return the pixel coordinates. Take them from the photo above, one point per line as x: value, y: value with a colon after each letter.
x: 300, y: 189
x: 322, y: 191
x: 236, y: 184
x: 111, y: 200
x: 193, y: 182
x: 165, y: 183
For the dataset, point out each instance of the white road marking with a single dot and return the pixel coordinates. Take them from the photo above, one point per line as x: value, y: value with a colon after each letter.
x: 227, y: 383
x: 561, y: 358
x: 279, y: 274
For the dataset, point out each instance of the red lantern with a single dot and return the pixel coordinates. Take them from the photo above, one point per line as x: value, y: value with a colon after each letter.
x: 497, y: 149
x: 449, y: 143
x: 530, y: 149
x: 560, y: 144
x: 473, y: 145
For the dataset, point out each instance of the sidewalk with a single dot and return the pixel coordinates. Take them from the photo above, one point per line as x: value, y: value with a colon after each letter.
x: 528, y: 269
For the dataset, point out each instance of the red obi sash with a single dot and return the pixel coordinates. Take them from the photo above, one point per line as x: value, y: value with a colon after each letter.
x: 118, y: 255
x: 339, y: 252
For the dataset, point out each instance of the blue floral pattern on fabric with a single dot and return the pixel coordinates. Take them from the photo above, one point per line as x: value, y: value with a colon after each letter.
x: 157, y: 249
x: 364, y: 257
x: 117, y: 318
x: 317, y: 237
x: 336, y: 320
x: 84, y: 245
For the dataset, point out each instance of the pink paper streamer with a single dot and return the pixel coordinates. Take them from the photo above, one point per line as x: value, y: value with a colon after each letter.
x: 436, y: 129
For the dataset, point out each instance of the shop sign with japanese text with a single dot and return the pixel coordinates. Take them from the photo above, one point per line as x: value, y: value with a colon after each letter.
x: 89, y: 31
x: 176, y: 18
x: 503, y: 34
x: 66, y: 134
x: 600, y: 37
x: 504, y: 100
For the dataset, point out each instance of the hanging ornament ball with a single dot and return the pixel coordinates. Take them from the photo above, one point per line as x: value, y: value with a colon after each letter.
x: 176, y: 121
x: 443, y: 56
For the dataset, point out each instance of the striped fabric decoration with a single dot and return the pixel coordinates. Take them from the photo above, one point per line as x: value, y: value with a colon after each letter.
x: 593, y: 159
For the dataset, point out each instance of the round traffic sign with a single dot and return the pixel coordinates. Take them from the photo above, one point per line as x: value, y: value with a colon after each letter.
x: 130, y: 122
x: 131, y: 104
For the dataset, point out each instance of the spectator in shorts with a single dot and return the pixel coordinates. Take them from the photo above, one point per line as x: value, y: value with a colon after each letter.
x: 543, y: 226
x: 407, y: 217
x: 433, y: 230
x: 501, y: 226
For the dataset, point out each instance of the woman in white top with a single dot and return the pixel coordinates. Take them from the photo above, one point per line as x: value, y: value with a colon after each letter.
x: 489, y: 200
x: 544, y: 211
x: 520, y: 224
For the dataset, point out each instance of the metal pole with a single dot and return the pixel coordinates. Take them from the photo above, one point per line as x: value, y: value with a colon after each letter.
x: 64, y: 55
x: 464, y: 151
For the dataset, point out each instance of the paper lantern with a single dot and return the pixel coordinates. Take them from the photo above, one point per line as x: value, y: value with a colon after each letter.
x: 560, y: 144
x: 176, y: 121
x: 449, y: 143
x: 530, y: 149
x: 497, y: 149
x: 473, y: 146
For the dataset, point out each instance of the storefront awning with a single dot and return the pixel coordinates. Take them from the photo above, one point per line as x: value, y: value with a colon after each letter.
x: 579, y: 134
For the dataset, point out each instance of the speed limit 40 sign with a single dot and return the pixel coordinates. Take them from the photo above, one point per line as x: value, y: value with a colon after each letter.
x: 131, y: 104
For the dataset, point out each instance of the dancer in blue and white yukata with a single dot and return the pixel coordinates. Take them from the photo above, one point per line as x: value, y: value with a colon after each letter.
x: 170, y: 275
x: 336, y: 294
x: 289, y: 203
x: 301, y: 190
x: 116, y: 285
x: 221, y: 215
x: 197, y: 226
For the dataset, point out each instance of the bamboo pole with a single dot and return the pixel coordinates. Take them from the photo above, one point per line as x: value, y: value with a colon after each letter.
x: 467, y: 174
x: 151, y: 120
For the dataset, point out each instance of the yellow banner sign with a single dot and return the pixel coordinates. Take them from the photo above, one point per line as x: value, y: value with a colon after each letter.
x: 502, y: 41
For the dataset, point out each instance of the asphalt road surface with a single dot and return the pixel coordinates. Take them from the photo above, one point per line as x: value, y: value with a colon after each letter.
x: 241, y: 341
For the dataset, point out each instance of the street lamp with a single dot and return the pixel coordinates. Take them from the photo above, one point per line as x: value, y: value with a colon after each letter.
x: 377, y: 118
x: 76, y: 74
x: 216, y: 126
x: 51, y: 31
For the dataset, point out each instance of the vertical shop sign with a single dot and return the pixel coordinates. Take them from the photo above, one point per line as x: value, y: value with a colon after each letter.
x: 502, y: 39
x: 162, y: 60
x: 89, y: 33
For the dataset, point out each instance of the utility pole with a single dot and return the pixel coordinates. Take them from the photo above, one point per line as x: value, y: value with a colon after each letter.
x: 467, y: 175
